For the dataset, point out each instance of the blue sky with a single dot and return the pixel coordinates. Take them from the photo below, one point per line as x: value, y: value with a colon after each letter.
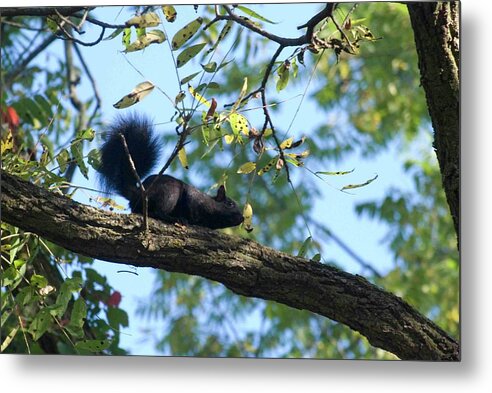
x: 116, y: 74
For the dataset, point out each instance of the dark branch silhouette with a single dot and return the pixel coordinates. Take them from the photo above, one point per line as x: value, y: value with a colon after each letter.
x: 242, y: 265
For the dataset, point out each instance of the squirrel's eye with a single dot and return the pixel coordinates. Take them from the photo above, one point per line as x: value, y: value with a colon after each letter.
x: 229, y: 203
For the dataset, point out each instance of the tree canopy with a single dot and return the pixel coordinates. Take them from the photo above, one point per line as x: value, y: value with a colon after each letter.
x: 272, y: 117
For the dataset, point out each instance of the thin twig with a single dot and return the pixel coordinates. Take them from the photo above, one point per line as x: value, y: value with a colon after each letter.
x: 69, y: 37
x: 93, y: 83
x: 139, y: 181
x: 342, y: 32
x: 347, y: 249
x: 68, y: 22
x: 101, y: 23
x: 311, y: 23
x: 12, y: 75
x: 24, y: 27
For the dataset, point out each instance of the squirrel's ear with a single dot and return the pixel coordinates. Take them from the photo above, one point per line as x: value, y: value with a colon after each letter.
x: 221, y: 194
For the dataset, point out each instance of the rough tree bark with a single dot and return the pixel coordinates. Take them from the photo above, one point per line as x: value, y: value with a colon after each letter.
x: 244, y: 266
x: 437, y: 33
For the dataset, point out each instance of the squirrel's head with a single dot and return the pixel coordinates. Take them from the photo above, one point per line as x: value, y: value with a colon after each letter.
x: 230, y: 215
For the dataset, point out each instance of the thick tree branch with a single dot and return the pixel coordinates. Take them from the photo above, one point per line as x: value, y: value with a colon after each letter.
x: 436, y: 31
x: 41, y: 11
x: 242, y: 265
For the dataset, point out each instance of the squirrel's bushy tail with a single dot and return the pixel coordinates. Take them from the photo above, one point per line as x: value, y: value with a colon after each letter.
x: 116, y: 174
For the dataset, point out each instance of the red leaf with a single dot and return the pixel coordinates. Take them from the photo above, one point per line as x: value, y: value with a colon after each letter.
x: 114, y: 300
x: 11, y: 117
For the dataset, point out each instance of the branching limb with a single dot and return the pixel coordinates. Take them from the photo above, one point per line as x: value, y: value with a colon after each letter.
x: 242, y: 265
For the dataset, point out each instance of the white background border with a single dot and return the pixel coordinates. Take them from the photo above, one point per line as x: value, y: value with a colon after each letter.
x: 472, y: 374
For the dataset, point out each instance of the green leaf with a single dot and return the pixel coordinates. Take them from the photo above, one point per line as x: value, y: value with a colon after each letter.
x: 213, y: 85
x: 126, y: 37
x: 38, y: 281
x: 76, y: 150
x: 93, y: 345
x: 79, y: 313
x: 295, y: 68
x: 304, y: 247
x: 336, y: 173
x: 64, y: 295
x: 62, y: 159
x: 51, y: 23
x: 115, y: 34
x: 224, y: 63
x: 140, y: 31
x: 225, y: 30
x: 283, y: 80
x: 94, y: 158
x: 210, y: 67
x: 25, y: 296
x: 94, y: 276
x: 351, y: 186
x: 255, y: 15
x: 45, y: 106
x: 117, y: 317
x: 9, y: 276
x: 188, y: 54
x: 40, y: 324
x: 77, y: 319
x: 189, y: 78
x: 316, y: 258
x: 183, y: 35
x: 87, y: 134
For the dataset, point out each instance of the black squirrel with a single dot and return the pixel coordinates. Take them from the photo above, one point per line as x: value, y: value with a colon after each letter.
x: 169, y: 199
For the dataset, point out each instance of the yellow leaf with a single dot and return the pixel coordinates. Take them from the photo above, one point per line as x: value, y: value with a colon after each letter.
x: 150, y: 19
x: 136, y: 95
x: 198, y: 96
x: 229, y: 139
x: 239, y: 124
x: 247, y: 168
x: 268, y: 166
x: 286, y: 144
x: 180, y: 97
x: 7, y: 143
x: 248, y: 217
x: 169, y: 12
x: 182, y: 158
x: 241, y: 94
x: 152, y: 37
